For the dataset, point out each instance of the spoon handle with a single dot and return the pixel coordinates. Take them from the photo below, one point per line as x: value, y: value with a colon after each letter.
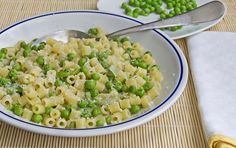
x: 205, y: 13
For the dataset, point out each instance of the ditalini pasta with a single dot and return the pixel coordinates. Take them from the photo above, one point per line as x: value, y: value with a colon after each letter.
x: 84, y: 83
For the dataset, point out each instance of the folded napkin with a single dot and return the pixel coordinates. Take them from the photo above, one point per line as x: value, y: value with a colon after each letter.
x: 213, y: 65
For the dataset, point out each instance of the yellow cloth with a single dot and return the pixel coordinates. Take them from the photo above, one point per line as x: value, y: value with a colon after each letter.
x: 220, y: 141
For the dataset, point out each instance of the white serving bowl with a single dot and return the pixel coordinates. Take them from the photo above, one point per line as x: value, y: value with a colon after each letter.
x: 166, y: 52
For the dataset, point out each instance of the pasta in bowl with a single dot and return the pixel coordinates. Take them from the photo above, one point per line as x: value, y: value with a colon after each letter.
x: 86, y: 87
x: 83, y: 83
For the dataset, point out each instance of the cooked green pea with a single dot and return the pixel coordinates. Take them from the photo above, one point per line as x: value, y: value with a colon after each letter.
x: 47, y: 67
x: 48, y: 109
x: 41, y: 46
x: 110, y: 75
x: 143, y: 65
x: 23, y: 44
x: 95, y: 76
x: 94, y: 93
x: 125, y: 88
x: 83, y: 104
x: 65, y: 113
x: 84, y: 70
x: 90, y: 84
x: 122, y: 40
x: 93, y: 31
x: 134, y: 109
x: 124, y: 5
x: 105, y: 64
x: 147, y: 86
x: 118, y: 85
x: 4, y: 81
x: 108, y: 85
x: 92, y: 54
x: 70, y: 56
x: 63, y: 74
x: 26, y: 51
x: 17, y: 67
x: 132, y: 89
x: 19, y: 90
x: 40, y: 60
x: 96, y: 111
x: 140, y: 92
x: 108, y: 119
x: 12, y: 74
x: 72, y: 124
x: 58, y: 82
x: 37, y: 118
x: 99, y: 123
x: 82, y: 61
x: 18, y: 109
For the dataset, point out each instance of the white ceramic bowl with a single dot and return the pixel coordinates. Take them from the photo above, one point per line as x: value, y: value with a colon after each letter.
x: 166, y: 52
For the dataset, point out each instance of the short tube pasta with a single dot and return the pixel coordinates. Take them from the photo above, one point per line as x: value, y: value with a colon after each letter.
x: 83, y: 83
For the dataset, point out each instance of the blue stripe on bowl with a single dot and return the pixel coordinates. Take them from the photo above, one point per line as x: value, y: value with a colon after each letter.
x: 105, y: 13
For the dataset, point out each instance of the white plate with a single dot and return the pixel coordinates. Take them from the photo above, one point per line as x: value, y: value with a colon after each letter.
x: 165, y: 51
x: 114, y: 7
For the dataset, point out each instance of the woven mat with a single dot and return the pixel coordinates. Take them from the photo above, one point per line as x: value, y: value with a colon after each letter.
x: 178, y: 127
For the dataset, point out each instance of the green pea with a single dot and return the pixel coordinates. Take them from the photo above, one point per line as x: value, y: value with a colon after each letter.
x: 177, y: 11
x: 83, y: 104
x: 4, y: 81
x: 122, y: 40
x: 169, y: 5
x: 48, y: 109
x: 2, y: 55
x: 65, y: 113
x: 162, y: 15
x: 84, y: 70
x: 86, y: 113
x: 18, y: 110
x: 125, y: 88
x: 40, y: 60
x: 12, y: 74
x: 110, y: 75
x: 143, y: 65
x: 82, y: 61
x: 19, y: 90
x: 108, y: 119
x: 72, y: 124
x: 23, y: 44
x: 134, y: 109
x: 26, y: 51
x: 124, y: 5
x: 41, y: 46
x: 46, y: 68
x: 34, y: 48
x: 137, y: 10
x: 92, y: 54
x: 147, y: 10
x: 132, y: 89
x: 37, y: 118
x: 147, y: 86
x: 90, y: 84
x: 4, y: 50
x: 105, y: 64
x: 140, y: 92
x: 74, y: 71
x: 99, y: 123
x: 68, y: 107
x: 63, y: 74
x: 94, y: 93
x: 108, y: 85
x: 96, y: 111
x: 158, y: 10
x: 118, y: 85
x: 58, y: 82
x: 95, y: 76
x: 51, y: 93
x: 93, y: 31
x: 17, y: 67
x: 70, y: 56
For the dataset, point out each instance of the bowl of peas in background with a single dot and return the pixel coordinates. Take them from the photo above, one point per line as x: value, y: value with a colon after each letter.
x: 152, y: 10
x: 169, y: 57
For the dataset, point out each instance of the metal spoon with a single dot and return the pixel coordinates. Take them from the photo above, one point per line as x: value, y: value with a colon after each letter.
x: 205, y: 13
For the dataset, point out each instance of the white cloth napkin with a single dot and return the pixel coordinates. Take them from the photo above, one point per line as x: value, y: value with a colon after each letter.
x: 213, y: 65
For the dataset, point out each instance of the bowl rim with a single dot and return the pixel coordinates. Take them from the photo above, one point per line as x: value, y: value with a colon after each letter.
x: 163, y: 106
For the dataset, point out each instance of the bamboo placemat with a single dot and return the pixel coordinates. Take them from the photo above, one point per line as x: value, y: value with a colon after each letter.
x: 178, y: 127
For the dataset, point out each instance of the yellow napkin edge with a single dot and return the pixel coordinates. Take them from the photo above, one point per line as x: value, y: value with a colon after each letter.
x: 221, y: 141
